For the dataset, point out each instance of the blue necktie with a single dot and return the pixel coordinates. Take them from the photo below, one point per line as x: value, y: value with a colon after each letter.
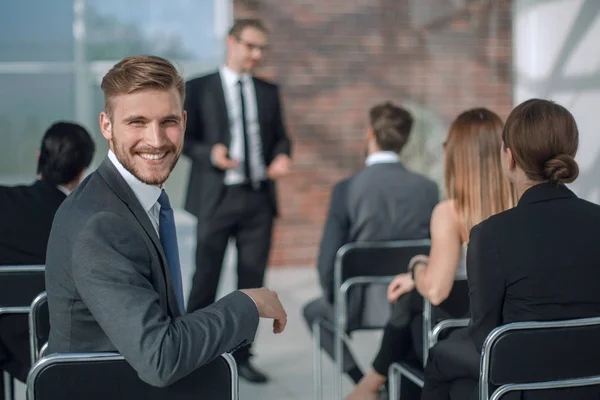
x: 168, y: 239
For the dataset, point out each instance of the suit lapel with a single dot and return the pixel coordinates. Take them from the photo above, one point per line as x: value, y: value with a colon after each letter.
x: 218, y: 96
x: 114, y: 179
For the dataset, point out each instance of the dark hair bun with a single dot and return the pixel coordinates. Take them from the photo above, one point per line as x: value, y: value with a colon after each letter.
x: 561, y: 169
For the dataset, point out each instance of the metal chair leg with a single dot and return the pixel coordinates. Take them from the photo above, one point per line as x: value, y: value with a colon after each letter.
x: 9, y: 386
x: 394, y: 382
x: 317, y: 362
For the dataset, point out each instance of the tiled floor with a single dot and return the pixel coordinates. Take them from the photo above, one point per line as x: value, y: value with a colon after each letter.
x: 287, y: 358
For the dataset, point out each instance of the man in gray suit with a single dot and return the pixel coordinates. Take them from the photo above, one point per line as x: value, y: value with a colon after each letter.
x: 382, y: 202
x: 112, y: 275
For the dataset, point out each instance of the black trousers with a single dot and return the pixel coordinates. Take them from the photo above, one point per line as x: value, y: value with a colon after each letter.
x: 403, y: 335
x: 246, y: 215
x: 14, y: 348
x: 452, y: 360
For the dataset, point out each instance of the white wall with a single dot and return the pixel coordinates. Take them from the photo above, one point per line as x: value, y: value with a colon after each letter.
x: 557, y: 57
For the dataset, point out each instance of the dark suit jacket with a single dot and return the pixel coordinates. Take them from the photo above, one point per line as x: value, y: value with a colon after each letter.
x: 109, y: 288
x: 26, y: 213
x: 381, y: 202
x: 535, y: 262
x: 208, y: 124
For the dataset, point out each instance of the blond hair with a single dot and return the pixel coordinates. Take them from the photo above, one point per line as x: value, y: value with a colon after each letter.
x: 474, y: 177
x: 136, y: 73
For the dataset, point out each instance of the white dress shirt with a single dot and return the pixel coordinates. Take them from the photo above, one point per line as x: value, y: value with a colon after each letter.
x: 380, y: 157
x: 146, y: 194
x: 231, y: 90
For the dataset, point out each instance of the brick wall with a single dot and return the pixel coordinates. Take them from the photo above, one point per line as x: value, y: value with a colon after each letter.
x: 334, y: 59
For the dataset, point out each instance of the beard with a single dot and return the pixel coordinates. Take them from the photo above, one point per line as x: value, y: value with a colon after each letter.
x: 136, y: 166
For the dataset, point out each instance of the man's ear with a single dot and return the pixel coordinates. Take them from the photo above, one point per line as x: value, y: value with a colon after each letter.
x: 105, y: 126
x: 370, y: 133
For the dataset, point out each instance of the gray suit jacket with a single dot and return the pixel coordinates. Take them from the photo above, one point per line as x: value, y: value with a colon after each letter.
x: 381, y: 202
x: 109, y: 288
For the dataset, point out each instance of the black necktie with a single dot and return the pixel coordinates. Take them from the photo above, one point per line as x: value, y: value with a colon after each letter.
x: 245, y: 132
x: 168, y: 239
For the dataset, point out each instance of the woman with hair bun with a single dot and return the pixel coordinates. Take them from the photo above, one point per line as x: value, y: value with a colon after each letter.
x: 538, y: 261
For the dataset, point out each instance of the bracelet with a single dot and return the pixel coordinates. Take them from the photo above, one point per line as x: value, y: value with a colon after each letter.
x: 413, y: 267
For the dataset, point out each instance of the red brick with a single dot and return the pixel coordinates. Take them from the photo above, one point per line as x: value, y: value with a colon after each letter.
x: 334, y: 59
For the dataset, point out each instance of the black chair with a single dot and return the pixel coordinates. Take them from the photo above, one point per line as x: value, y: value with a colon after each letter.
x: 101, y: 376
x: 437, y: 321
x: 19, y: 285
x: 39, y: 327
x: 536, y: 356
x: 361, y: 274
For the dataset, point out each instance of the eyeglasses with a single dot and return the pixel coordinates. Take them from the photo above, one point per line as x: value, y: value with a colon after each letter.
x: 253, y: 46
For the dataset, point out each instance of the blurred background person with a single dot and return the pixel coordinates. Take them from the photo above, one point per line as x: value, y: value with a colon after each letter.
x: 477, y: 189
x: 26, y: 215
x: 238, y: 145
x: 384, y: 201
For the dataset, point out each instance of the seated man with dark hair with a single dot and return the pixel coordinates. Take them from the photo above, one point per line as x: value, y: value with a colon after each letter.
x: 27, y: 213
x: 384, y: 201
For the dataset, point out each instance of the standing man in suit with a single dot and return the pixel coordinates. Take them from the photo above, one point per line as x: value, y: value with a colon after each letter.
x: 384, y: 201
x: 238, y: 145
x: 27, y: 212
x: 113, y: 276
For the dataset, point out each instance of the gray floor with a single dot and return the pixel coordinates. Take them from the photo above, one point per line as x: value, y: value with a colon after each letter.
x: 287, y: 357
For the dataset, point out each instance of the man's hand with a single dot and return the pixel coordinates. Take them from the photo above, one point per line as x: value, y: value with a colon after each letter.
x: 280, y: 166
x: 269, y: 306
x: 219, y: 158
x: 401, y: 284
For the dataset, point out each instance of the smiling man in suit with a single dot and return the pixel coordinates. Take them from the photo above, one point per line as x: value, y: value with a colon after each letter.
x: 238, y: 145
x: 113, y: 275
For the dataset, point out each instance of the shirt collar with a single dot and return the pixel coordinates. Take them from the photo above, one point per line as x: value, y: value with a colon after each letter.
x: 64, y: 190
x: 380, y: 157
x: 146, y: 194
x: 231, y: 77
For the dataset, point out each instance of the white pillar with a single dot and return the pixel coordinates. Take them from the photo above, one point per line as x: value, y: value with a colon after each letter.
x: 556, y: 57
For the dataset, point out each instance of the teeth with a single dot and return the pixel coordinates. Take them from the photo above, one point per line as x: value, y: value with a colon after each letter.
x: 148, y: 156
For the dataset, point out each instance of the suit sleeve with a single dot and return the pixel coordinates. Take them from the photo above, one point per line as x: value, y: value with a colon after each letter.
x: 283, y: 144
x: 195, y: 146
x: 335, y: 235
x: 486, y: 283
x: 112, y: 275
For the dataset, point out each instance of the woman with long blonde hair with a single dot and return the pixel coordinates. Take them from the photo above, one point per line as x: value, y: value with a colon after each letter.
x: 476, y: 189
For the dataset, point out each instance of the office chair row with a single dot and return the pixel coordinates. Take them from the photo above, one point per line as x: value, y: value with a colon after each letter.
x: 552, y: 355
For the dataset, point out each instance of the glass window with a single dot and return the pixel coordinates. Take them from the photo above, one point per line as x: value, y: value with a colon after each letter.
x: 33, y: 30
x: 51, y: 65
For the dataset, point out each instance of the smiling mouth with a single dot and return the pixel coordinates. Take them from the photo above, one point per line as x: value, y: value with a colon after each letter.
x: 153, y: 156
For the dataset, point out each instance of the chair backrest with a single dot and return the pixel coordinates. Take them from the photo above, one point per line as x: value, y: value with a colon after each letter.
x: 540, y: 355
x: 39, y: 325
x: 20, y: 284
x: 363, y: 270
x: 97, y: 376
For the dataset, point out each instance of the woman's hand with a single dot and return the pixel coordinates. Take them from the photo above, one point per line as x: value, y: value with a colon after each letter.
x: 401, y: 284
